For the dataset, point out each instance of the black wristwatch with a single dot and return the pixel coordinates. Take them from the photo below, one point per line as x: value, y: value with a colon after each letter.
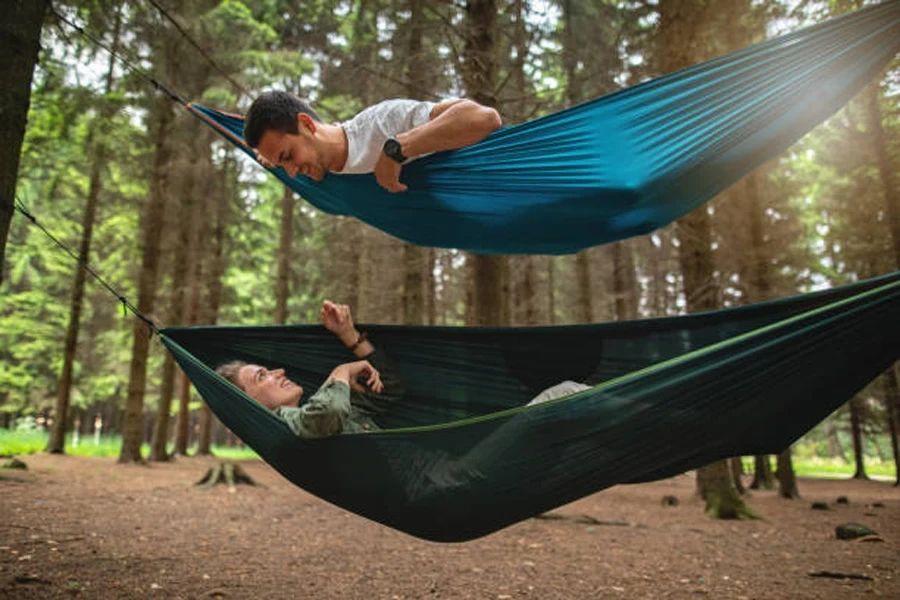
x: 393, y: 150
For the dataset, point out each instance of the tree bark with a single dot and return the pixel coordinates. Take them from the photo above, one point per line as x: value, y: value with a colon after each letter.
x: 856, y: 431
x: 56, y: 444
x: 886, y: 170
x: 551, y: 289
x: 574, y: 95
x: 737, y: 472
x: 763, y: 478
x: 194, y: 251
x: 718, y: 491
x: 184, y: 216
x: 285, y: 243
x: 892, y: 399
x: 787, y: 480
x: 681, y: 24
x: 430, y: 287
x: 834, y: 445
x: 624, y: 281
x: 414, y: 265
x: 20, y: 38
x: 213, y: 285
x: 585, y: 306
x: 152, y: 225
x: 478, y: 72
x: 415, y: 258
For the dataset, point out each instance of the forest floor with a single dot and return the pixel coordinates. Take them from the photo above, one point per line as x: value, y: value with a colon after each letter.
x: 90, y: 528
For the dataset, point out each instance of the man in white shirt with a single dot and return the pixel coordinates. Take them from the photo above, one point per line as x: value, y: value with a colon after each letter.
x: 285, y: 131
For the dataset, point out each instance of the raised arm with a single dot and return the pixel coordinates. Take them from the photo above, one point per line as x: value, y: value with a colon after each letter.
x: 338, y: 320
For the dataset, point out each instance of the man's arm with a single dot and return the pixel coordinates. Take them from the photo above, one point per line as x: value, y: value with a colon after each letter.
x: 454, y: 124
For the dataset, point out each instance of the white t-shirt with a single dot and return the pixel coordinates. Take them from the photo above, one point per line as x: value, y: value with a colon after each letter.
x: 367, y: 131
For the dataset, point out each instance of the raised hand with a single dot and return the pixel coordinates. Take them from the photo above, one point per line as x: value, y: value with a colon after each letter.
x: 338, y: 320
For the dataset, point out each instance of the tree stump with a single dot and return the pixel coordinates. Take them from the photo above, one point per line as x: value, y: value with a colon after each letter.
x: 227, y: 473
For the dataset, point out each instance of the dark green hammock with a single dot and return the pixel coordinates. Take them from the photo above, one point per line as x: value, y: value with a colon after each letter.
x: 624, y: 164
x: 461, y: 457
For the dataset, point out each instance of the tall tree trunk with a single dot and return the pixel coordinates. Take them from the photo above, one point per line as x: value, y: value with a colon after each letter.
x: 888, y: 174
x: 213, y: 284
x: 585, y: 305
x: 624, y: 281
x: 856, y: 432
x: 760, y: 291
x: 763, y: 478
x: 185, y: 213
x: 717, y: 488
x: 285, y: 243
x: 835, y: 449
x: 151, y: 225
x: 363, y: 291
x: 574, y: 95
x: 886, y: 170
x: 159, y: 441
x: 430, y: 287
x: 194, y: 251
x: 737, y: 472
x: 20, y: 38
x: 787, y: 480
x: 681, y: 24
x: 56, y: 444
x: 414, y: 265
x: 551, y: 289
x: 415, y: 258
x: 892, y: 400
x: 488, y: 271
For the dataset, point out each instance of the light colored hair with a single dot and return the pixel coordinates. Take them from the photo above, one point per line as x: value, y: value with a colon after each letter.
x: 230, y: 371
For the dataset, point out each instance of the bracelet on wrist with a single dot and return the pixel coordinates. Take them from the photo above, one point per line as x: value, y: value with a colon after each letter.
x: 363, y: 336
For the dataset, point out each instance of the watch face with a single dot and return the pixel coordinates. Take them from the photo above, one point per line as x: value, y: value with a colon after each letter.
x: 392, y: 149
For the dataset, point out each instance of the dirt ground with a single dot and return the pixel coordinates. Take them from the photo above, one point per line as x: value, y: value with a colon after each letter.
x: 89, y: 528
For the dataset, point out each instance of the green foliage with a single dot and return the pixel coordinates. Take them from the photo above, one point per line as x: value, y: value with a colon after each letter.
x: 18, y: 443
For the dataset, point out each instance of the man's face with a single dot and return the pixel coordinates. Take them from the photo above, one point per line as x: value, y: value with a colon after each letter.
x: 297, y: 153
x: 270, y: 388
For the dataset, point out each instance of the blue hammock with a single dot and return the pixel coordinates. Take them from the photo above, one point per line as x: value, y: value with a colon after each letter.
x: 624, y: 164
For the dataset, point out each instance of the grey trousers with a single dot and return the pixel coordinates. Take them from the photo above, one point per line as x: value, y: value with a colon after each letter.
x: 566, y: 388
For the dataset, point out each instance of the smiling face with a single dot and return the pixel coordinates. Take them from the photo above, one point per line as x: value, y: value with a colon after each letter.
x: 269, y: 387
x: 297, y: 153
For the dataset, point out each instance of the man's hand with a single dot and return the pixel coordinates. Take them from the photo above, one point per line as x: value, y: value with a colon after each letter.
x: 387, y: 172
x: 351, y: 373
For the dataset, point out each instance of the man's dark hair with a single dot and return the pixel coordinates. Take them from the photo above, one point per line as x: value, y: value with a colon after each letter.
x: 274, y: 111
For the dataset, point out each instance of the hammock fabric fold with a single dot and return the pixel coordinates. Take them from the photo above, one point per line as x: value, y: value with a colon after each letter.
x: 461, y: 457
x: 624, y: 164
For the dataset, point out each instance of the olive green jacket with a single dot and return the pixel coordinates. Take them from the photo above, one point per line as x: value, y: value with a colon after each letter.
x: 336, y: 408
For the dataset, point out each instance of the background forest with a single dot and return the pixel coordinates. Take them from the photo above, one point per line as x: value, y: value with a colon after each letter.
x: 192, y: 232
